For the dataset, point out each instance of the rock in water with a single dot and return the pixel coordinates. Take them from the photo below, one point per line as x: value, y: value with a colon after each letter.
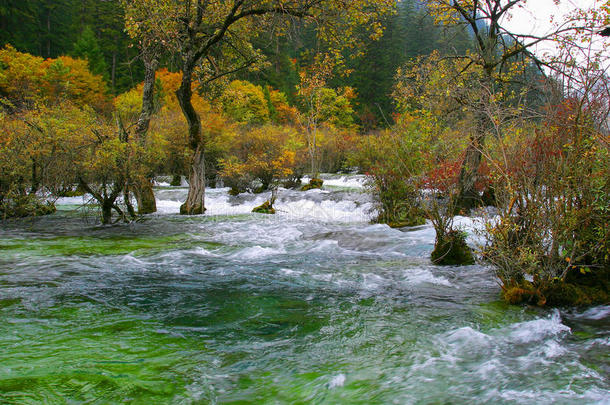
x: 265, y: 208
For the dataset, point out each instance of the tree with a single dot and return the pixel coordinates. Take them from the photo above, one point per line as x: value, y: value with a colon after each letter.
x: 87, y: 47
x: 214, y: 39
x: 495, y: 47
x: 246, y: 102
x: 26, y: 80
x: 321, y: 106
x: 550, y: 242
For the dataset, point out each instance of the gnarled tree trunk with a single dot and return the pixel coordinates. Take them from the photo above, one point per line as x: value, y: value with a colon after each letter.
x: 194, y: 204
x: 143, y: 188
x: 145, y: 197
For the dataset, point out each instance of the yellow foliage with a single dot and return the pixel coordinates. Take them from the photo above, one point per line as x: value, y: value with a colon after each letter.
x: 27, y: 79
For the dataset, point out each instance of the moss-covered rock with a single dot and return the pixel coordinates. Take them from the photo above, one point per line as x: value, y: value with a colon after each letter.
x: 234, y: 192
x: 265, y: 208
x: 313, y: 184
x: 452, y: 250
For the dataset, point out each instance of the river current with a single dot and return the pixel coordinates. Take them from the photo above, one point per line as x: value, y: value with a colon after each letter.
x: 314, y: 305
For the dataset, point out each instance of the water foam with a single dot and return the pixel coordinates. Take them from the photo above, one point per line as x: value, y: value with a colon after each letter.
x: 337, y: 381
x: 539, y: 329
x: 423, y: 276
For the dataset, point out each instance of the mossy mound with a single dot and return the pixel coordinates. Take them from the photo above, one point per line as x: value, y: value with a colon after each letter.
x: 265, y: 208
x: 234, y: 192
x: 560, y: 293
x: 415, y: 221
x: 293, y: 183
x: 198, y: 210
x: 452, y: 250
x: 25, y: 206
x: 579, y: 288
x: 313, y: 184
x: 176, y: 181
x: 523, y: 294
x: 557, y: 294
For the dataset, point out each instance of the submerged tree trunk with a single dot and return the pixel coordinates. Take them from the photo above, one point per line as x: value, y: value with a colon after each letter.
x: 194, y: 204
x: 145, y: 197
x: 107, y: 201
x: 107, y: 212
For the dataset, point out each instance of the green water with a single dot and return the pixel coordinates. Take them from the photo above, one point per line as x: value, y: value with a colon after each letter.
x: 243, y: 309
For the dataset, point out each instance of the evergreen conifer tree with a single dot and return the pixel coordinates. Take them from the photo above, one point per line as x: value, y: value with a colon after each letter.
x: 87, y: 47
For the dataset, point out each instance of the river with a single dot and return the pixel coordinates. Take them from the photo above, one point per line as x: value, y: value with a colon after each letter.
x: 312, y: 305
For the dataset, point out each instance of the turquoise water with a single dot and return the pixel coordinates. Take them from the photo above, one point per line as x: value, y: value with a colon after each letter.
x: 314, y: 305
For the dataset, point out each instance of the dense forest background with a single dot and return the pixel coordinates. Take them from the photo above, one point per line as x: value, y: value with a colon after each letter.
x: 94, y: 30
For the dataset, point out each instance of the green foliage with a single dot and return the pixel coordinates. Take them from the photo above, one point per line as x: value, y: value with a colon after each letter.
x: 396, y: 161
x: 329, y: 107
x: 24, y: 205
x: 50, y: 28
x: 87, y: 47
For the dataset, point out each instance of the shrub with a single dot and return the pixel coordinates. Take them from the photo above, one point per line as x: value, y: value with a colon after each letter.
x: 553, y: 227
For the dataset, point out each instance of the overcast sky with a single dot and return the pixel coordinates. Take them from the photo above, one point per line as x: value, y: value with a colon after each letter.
x: 535, y: 18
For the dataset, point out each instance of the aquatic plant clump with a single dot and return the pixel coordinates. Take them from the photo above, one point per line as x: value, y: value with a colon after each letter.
x: 265, y: 208
x: 313, y: 184
x: 451, y: 249
x: 25, y: 206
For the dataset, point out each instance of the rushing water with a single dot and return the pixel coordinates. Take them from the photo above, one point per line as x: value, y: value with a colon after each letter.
x: 313, y: 305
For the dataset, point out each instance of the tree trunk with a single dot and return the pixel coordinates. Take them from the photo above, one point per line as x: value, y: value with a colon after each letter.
x: 468, y: 196
x: 194, y: 204
x: 49, y: 33
x: 127, y: 199
x: 107, y: 212
x: 143, y: 190
x: 145, y: 197
x: 148, y: 96
x: 113, y: 72
x: 35, y: 179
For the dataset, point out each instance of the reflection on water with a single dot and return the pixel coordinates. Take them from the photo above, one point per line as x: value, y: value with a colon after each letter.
x: 314, y: 305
